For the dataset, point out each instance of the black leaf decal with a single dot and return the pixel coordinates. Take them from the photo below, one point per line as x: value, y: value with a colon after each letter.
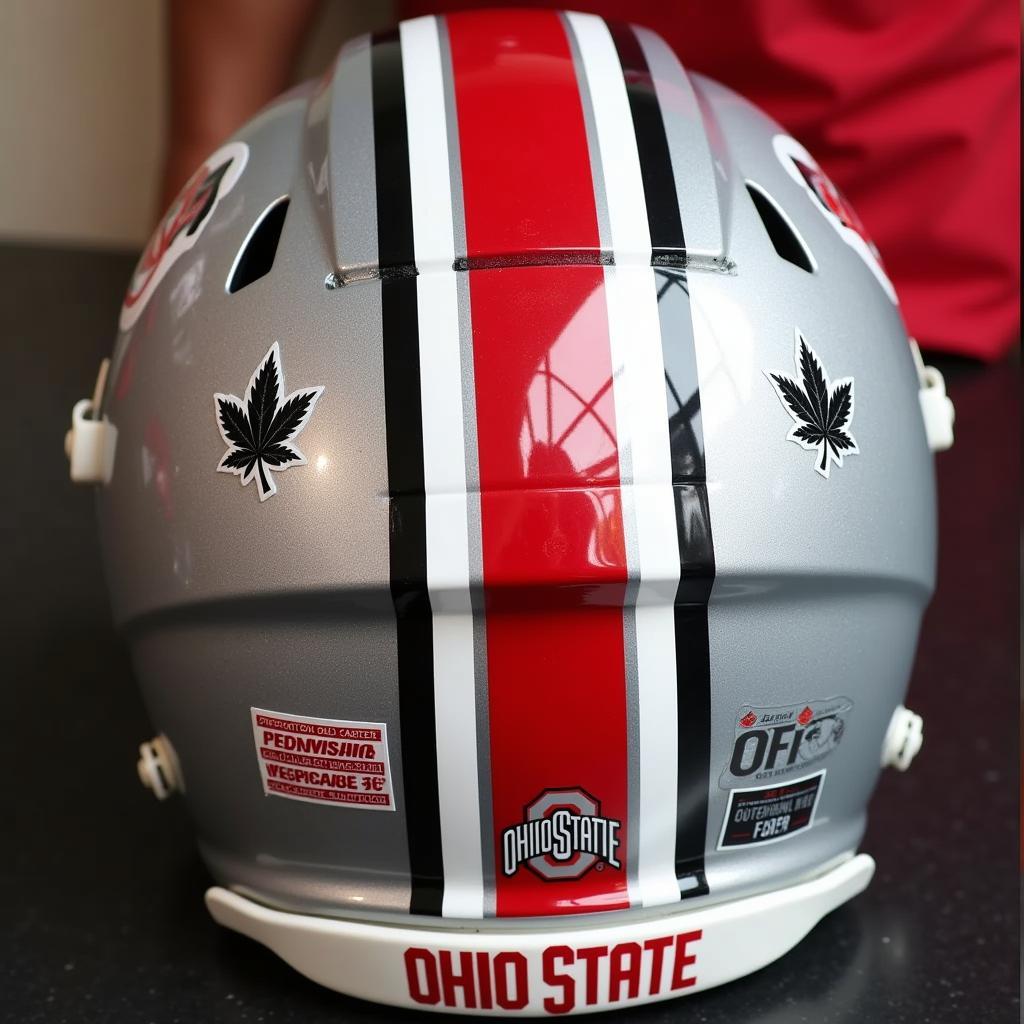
x: 799, y: 404
x: 237, y: 459
x: 262, y: 399
x: 257, y: 428
x: 233, y: 423
x: 839, y: 405
x: 822, y: 411
x: 279, y: 454
x: 289, y: 417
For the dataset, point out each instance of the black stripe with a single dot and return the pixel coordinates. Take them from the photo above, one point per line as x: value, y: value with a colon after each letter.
x: 696, y: 576
x: 696, y: 551
x: 405, y: 480
x: 689, y: 477
x: 391, y: 151
x: 668, y: 246
x: 693, y: 681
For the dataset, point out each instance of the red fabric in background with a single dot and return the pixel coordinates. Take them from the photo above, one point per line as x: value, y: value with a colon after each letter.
x: 911, y: 106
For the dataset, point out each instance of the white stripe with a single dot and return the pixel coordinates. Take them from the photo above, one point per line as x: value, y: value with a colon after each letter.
x: 620, y: 161
x: 642, y: 430
x: 429, y: 176
x: 642, y: 423
x: 444, y: 472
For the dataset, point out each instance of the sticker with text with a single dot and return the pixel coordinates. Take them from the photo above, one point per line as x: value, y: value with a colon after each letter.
x: 833, y: 205
x: 784, y: 740
x: 561, y: 837
x: 772, y: 813
x: 182, y: 225
x: 323, y: 760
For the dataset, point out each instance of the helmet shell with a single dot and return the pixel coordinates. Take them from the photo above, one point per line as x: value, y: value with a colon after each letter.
x: 559, y: 583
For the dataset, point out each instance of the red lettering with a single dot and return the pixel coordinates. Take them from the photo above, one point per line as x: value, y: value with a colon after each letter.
x: 503, y: 980
x: 657, y: 947
x: 483, y: 975
x: 683, y: 960
x: 502, y: 995
x: 339, y: 732
x: 618, y: 972
x: 450, y: 981
x: 332, y: 748
x: 305, y: 778
x: 423, y: 990
x: 555, y: 956
x: 590, y: 956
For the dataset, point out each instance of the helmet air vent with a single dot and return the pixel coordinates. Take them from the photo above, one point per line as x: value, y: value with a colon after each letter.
x: 784, y: 236
x: 256, y: 257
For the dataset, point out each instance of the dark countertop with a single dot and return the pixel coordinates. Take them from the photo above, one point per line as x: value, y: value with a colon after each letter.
x: 101, y: 913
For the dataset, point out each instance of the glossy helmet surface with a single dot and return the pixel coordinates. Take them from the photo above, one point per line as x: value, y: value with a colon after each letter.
x: 557, y: 670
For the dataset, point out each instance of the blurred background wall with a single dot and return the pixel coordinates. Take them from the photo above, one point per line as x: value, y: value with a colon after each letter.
x: 82, y: 112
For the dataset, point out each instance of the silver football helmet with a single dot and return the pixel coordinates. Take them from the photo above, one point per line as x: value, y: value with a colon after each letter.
x: 515, y: 489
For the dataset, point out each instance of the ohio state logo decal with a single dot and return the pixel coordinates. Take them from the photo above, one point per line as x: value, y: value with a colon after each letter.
x: 562, y: 836
x: 183, y: 224
x: 836, y: 208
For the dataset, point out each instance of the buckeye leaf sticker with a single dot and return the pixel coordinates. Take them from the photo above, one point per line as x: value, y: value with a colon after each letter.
x: 822, y: 410
x: 259, y: 429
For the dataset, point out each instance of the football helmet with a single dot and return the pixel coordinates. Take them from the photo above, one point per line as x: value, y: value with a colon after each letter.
x: 516, y: 492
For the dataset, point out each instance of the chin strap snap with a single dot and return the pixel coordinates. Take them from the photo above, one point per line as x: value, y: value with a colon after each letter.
x: 903, y: 739
x: 158, y: 768
x: 936, y: 408
x: 91, y: 442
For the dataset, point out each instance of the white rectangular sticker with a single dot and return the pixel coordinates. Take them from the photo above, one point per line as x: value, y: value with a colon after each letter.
x: 323, y: 760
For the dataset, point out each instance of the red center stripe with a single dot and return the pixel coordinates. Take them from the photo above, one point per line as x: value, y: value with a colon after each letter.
x: 554, y: 560
x: 525, y: 165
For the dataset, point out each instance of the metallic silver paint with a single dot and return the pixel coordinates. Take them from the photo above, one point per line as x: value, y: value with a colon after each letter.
x: 452, y: 130
x: 351, y: 159
x: 227, y: 603
x: 820, y: 584
x: 701, y: 202
x: 476, y: 574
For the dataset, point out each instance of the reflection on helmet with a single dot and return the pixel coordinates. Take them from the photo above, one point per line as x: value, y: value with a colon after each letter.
x: 544, y: 557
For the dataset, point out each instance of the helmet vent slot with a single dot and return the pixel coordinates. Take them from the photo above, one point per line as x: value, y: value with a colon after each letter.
x: 256, y: 257
x: 784, y: 236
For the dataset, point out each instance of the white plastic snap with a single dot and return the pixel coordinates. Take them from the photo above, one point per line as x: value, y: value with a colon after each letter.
x: 903, y: 739
x: 91, y: 443
x: 936, y: 408
x: 158, y: 767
